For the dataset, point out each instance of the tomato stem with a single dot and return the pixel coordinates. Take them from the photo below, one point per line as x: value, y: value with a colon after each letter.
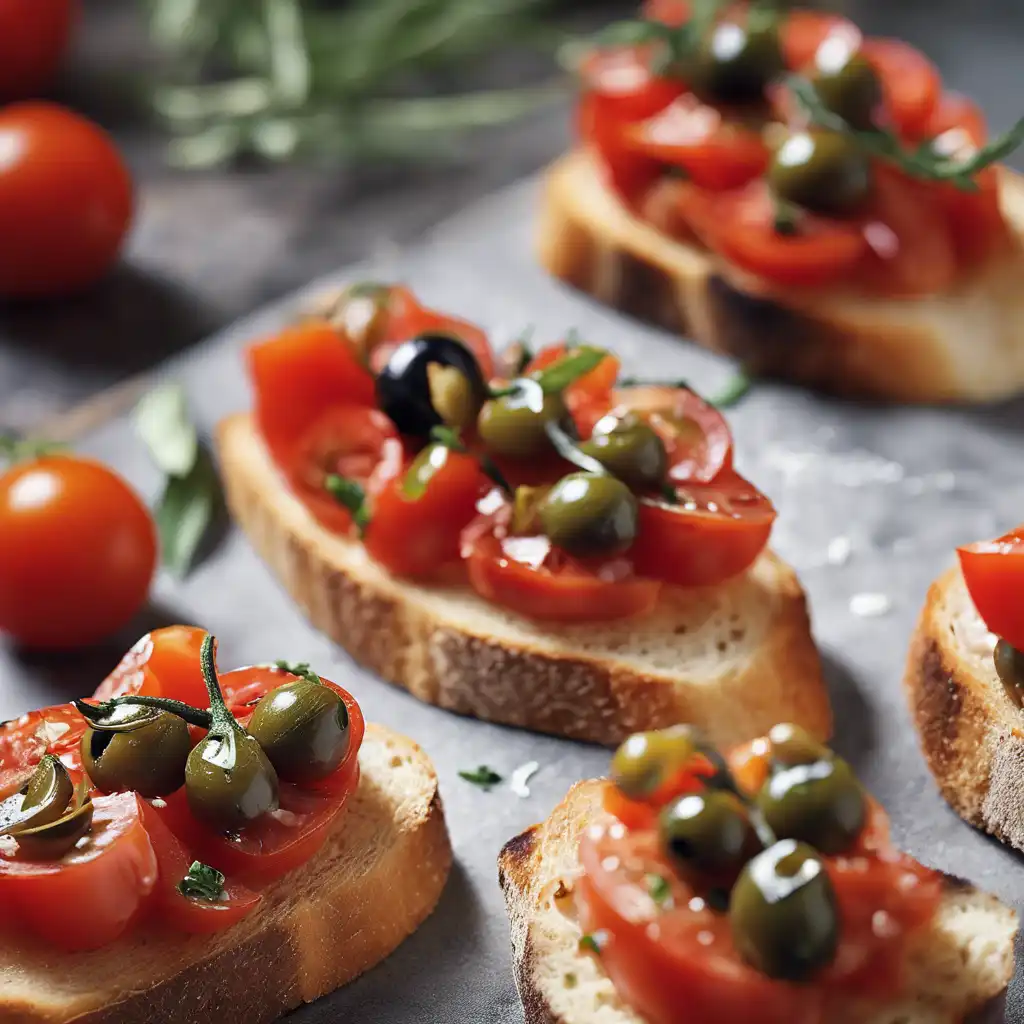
x: 97, y: 712
x: 222, y: 721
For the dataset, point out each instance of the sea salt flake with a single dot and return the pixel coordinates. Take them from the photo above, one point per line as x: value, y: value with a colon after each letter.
x: 8, y: 846
x: 521, y: 776
x: 50, y: 732
x: 870, y: 606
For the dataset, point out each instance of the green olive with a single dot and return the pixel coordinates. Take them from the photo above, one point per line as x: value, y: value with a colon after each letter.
x: 303, y: 729
x: 229, y: 781
x: 783, y: 913
x: 790, y: 745
x: 646, y: 759
x: 148, y: 756
x: 734, y: 63
x: 43, y: 799
x: 586, y: 514
x: 1009, y: 664
x: 848, y: 85
x: 629, y: 449
x: 514, y: 425
x: 820, y: 803
x: 709, y: 831
x: 824, y: 171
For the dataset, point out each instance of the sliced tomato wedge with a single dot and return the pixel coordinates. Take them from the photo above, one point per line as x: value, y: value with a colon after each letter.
x: 804, y: 31
x: 714, y: 533
x: 90, y: 896
x: 164, y: 663
x: 994, y: 573
x: 715, y: 153
x: 530, y: 577
x: 57, y: 730
x: 911, y: 83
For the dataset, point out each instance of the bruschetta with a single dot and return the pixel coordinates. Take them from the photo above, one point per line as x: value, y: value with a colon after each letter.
x: 758, y: 887
x: 521, y: 539
x: 782, y: 189
x: 186, y: 846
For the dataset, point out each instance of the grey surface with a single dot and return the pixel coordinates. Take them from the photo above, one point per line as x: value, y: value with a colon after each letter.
x: 904, y: 486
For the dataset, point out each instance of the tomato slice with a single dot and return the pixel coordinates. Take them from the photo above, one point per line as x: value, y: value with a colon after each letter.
x: 715, y: 533
x: 804, y: 31
x: 911, y: 84
x: 301, y: 373
x: 715, y: 153
x: 57, y: 730
x: 588, y: 398
x: 530, y: 577
x: 164, y: 663
x: 89, y: 897
x: 416, y: 524
x: 994, y: 573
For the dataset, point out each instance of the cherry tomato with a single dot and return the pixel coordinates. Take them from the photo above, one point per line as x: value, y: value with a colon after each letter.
x: 669, y: 12
x: 910, y: 82
x: 300, y: 374
x: 528, y: 576
x: 34, y: 36
x: 57, y: 730
x: 993, y: 571
x: 416, y: 536
x: 77, y: 552
x: 804, y: 31
x: 588, y: 398
x: 65, y: 201
x: 164, y: 663
x: 715, y: 532
x: 90, y: 896
x: 715, y: 153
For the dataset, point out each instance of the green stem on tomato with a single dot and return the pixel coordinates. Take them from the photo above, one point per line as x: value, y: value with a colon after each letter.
x: 96, y: 712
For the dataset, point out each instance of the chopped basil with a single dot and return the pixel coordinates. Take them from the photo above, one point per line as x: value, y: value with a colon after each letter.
x: 567, y: 370
x: 484, y: 777
x: 658, y: 887
x: 351, y: 495
x: 298, y: 668
x: 202, y: 883
x: 590, y: 944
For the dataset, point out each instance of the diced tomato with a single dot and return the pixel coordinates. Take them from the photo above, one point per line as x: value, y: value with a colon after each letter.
x: 911, y: 84
x: 716, y: 154
x: 994, y: 574
x: 805, y: 31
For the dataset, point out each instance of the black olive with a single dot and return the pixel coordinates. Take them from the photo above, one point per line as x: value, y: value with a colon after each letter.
x: 431, y: 381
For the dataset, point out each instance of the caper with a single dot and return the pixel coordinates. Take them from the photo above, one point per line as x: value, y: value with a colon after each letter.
x: 1009, y: 664
x: 783, y: 912
x: 734, y: 62
x: 821, y: 803
x: 647, y: 759
x: 43, y: 798
x: 147, y: 756
x: 52, y: 841
x: 847, y: 84
x: 790, y: 745
x: 824, y: 171
x: 629, y: 449
x: 515, y: 425
x: 303, y: 728
x: 586, y: 514
x: 709, y: 831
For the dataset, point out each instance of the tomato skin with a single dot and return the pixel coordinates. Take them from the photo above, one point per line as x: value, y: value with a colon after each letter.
x: 993, y: 571
x: 57, y: 730
x: 668, y: 12
x: 910, y: 82
x: 163, y: 663
x: 34, y: 36
x: 66, y: 201
x: 91, y: 896
x: 803, y: 32
x: 77, y: 552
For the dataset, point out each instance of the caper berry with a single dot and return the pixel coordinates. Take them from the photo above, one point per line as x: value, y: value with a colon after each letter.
x: 709, y: 831
x: 1009, y: 664
x: 303, y: 729
x: 821, y: 803
x: 586, y: 514
x: 790, y: 745
x: 847, y: 84
x: 42, y: 799
x: 230, y: 782
x: 149, y: 759
x: 734, y: 63
x: 515, y: 425
x: 783, y: 912
x: 824, y: 171
x: 629, y: 449
x: 53, y: 840
x: 647, y: 759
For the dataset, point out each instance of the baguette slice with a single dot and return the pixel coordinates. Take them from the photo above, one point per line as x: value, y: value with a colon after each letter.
x: 375, y: 881
x: 962, y: 346
x: 733, y: 659
x: 958, y: 968
x: 971, y: 734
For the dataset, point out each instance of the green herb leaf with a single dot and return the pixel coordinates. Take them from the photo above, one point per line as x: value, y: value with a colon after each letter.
x: 733, y: 392
x: 185, y: 512
x: 352, y: 496
x: 484, y: 777
x: 202, y: 883
x: 300, y: 669
x: 659, y: 888
x: 162, y: 422
x: 450, y: 438
x: 590, y: 944
x: 567, y: 370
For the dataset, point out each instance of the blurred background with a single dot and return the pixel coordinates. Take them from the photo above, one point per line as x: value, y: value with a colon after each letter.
x: 325, y: 150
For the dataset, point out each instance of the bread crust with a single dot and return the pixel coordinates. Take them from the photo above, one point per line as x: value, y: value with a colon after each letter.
x: 850, y: 344
x: 396, y: 630
x: 377, y: 878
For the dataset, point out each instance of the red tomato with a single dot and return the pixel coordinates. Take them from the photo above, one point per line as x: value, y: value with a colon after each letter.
x: 57, y: 730
x: 552, y: 586
x: 588, y: 398
x: 715, y: 532
x: 416, y: 536
x: 805, y: 31
x: 180, y: 912
x: 993, y: 571
x: 164, y: 663
x: 715, y: 153
x: 670, y: 12
x: 34, y: 36
x: 300, y: 374
x: 695, y: 434
x: 65, y: 201
x: 89, y: 897
x: 956, y: 113
x: 910, y: 82
x: 77, y: 551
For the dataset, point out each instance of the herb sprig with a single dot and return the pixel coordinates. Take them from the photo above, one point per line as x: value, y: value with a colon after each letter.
x: 350, y: 495
x: 484, y: 777
x: 202, y: 883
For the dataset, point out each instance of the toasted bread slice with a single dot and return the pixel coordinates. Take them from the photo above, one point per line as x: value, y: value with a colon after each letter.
x: 962, y: 346
x: 378, y: 877
x: 971, y: 734
x: 733, y: 659
x: 958, y: 969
